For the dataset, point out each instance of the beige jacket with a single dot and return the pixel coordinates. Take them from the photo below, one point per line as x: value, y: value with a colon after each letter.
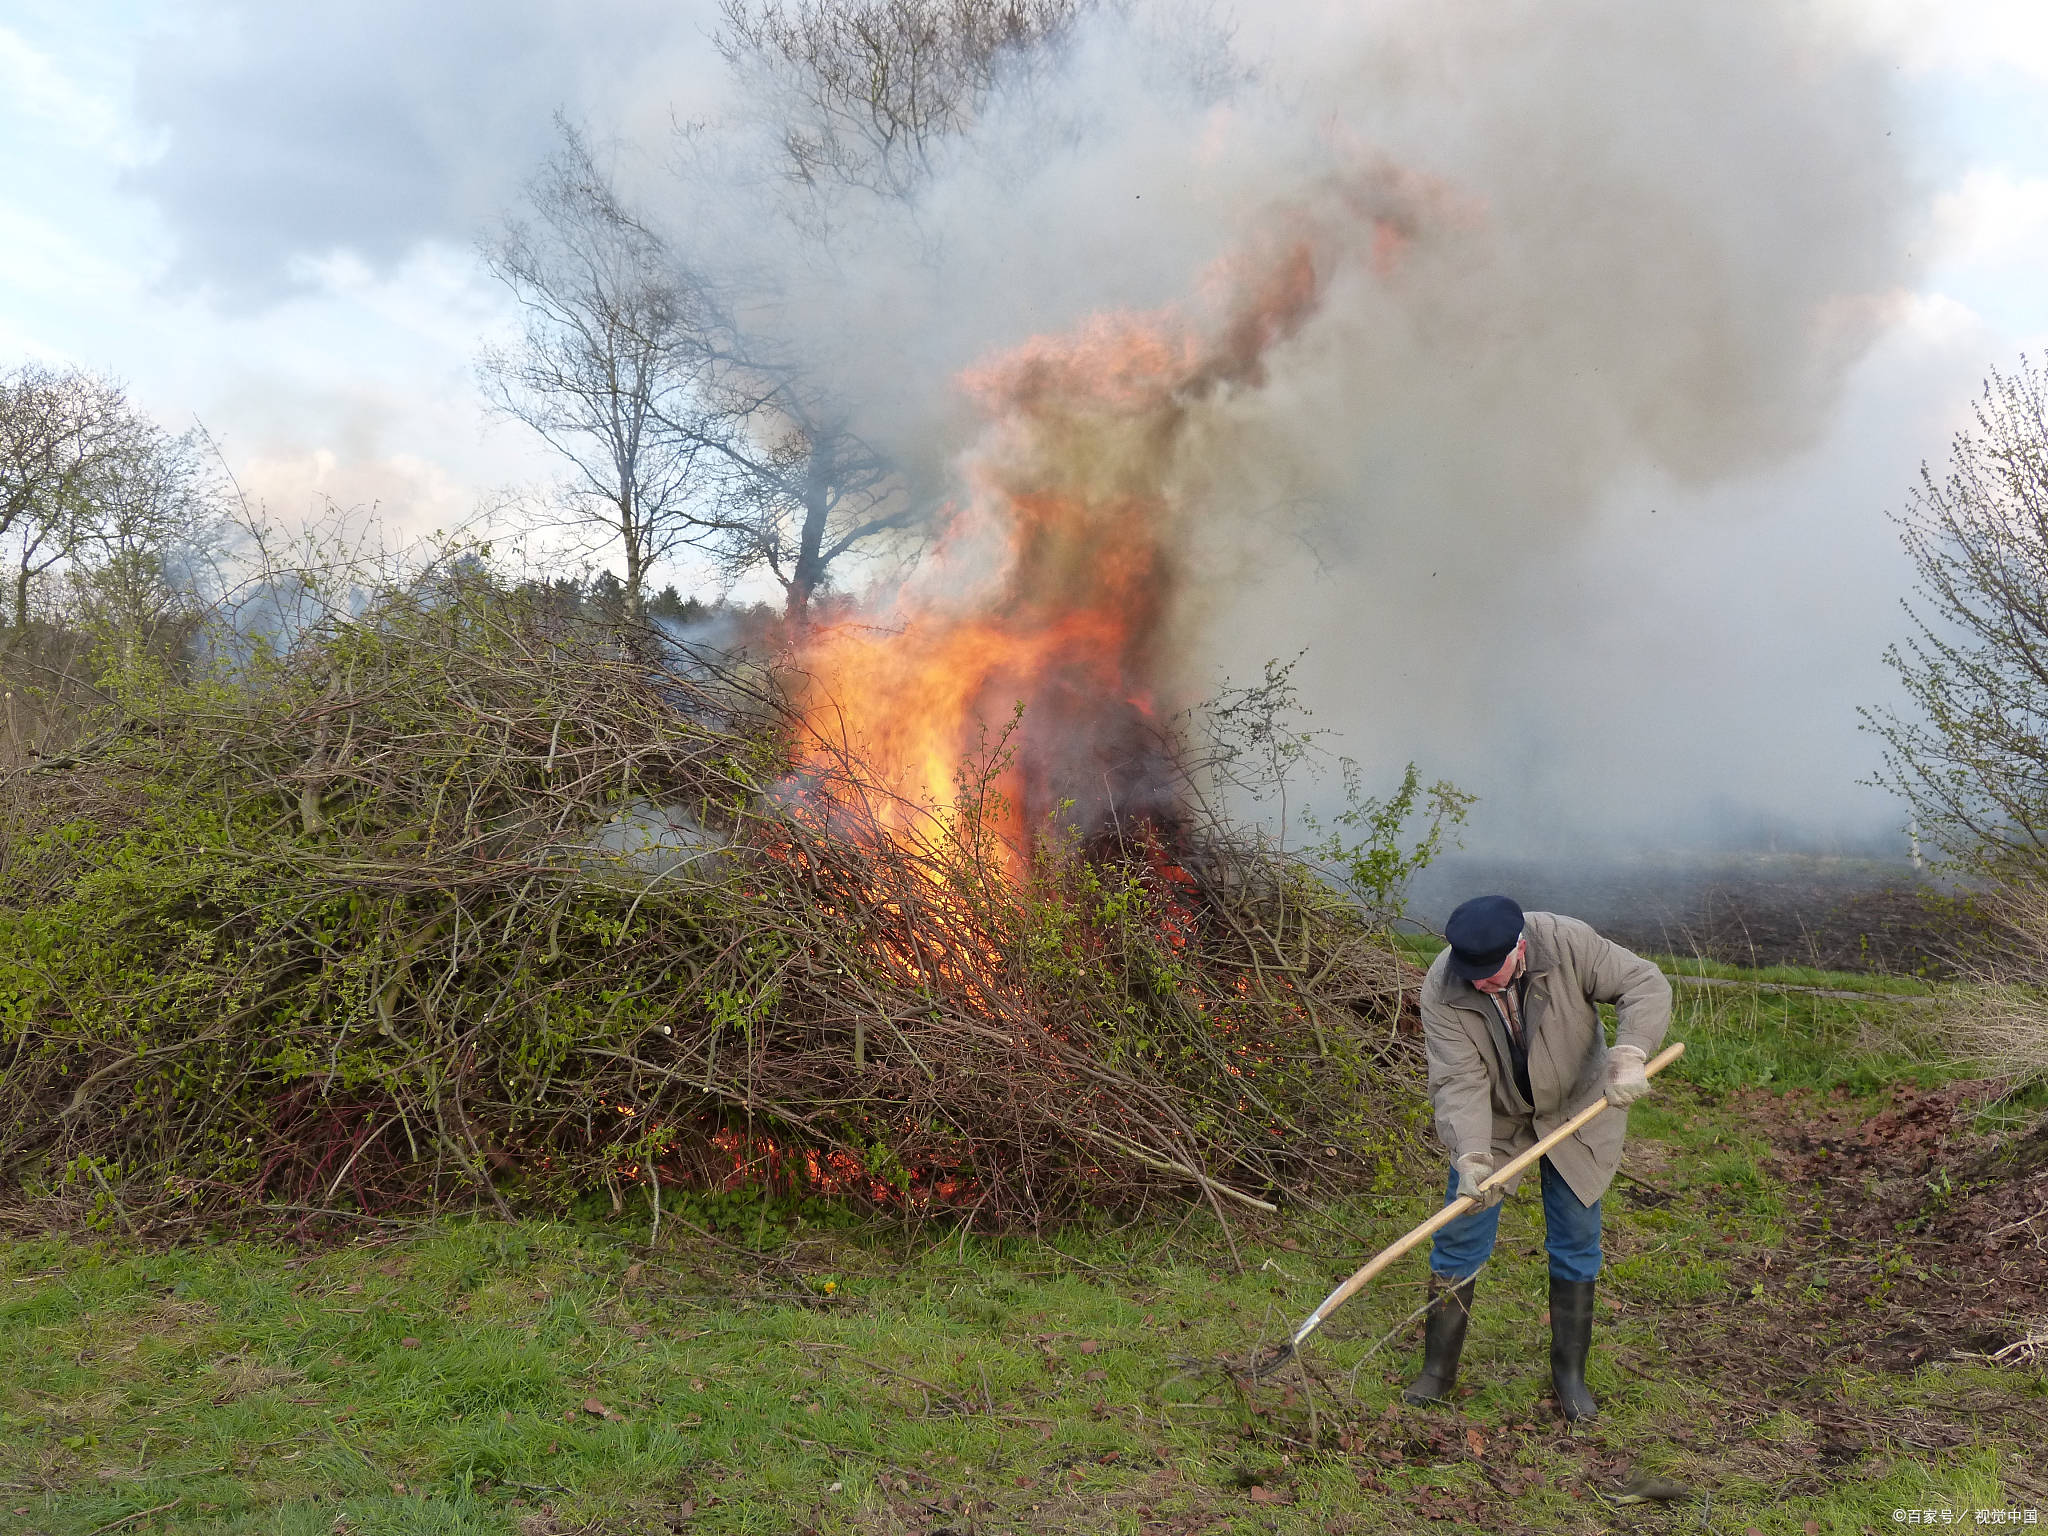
x: 1471, y: 1075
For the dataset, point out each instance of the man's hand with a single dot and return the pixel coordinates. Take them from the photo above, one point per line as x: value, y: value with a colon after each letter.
x: 1472, y: 1168
x: 1626, y: 1079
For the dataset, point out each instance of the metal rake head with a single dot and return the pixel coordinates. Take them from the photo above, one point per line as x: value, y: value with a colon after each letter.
x: 1274, y: 1360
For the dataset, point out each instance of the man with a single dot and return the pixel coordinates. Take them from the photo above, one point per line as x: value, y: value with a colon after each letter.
x: 1516, y: 1048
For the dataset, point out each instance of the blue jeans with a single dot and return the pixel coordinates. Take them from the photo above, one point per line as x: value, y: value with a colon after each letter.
x: 1571, y: 1231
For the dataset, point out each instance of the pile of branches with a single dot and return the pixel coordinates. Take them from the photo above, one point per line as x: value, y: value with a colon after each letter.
x: 464, y: 900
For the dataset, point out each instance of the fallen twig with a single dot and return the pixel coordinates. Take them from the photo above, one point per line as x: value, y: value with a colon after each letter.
x: 115, y: 1525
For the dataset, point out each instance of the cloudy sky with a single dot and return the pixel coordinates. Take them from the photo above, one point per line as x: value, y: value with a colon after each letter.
x: 263, y: 217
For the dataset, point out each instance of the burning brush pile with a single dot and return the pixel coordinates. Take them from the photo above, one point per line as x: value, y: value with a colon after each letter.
x: 464, y: 897
x: 471, y: 901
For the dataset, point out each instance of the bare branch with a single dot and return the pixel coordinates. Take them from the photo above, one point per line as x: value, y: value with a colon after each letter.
x: 1972, y: 758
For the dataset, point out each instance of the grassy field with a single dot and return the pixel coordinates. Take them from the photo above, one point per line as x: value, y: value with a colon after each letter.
x: 769, y: 1368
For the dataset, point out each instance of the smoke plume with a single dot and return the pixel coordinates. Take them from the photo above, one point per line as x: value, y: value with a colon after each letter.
x: 1602, y: 247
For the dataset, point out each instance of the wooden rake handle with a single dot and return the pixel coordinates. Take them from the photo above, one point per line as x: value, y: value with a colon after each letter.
x: 1464, y: 1203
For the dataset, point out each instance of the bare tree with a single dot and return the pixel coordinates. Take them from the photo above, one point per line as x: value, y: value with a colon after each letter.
x: 860, y: 94
x: 866, y: 90
x: 684, y: 417
x: 1972, y: 760
x: 679, y: 426
x: 798, y: 488
x: 109, y: 528
x: 146, y: 571
x: 90, y: 485
x: 68, y: 440
x: 608, y: 369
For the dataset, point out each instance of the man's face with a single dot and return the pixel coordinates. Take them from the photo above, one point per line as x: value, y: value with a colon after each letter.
x: 1510, y: 968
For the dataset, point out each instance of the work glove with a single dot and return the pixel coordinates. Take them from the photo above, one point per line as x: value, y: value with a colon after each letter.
x: 1472, y: 1168
x: 1626, y: 1079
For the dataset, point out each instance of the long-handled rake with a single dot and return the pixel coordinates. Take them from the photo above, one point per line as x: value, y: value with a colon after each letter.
x: 1448, y: 1214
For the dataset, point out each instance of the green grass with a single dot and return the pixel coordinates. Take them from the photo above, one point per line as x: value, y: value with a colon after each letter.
x: 1798, y: 976
x: 1747, y: 1036
x: 801, y: 1371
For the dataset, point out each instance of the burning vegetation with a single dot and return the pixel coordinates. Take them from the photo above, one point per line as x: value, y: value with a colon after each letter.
x: 471, y: 898
x: 469, y: 892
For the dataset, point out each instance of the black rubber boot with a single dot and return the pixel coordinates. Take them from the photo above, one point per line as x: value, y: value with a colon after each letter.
x: 1571, y: 1335
x: 1443, y: 1340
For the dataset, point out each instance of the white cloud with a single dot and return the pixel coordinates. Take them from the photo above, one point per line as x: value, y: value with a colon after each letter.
x: 44, y: 261
x: 1969, y: 36
x: 32, y: 84
x: 296, y: 131
x: 1992, y: 247
x: 1995, y: 219
x: 77, y: 101
x: 406, y: 493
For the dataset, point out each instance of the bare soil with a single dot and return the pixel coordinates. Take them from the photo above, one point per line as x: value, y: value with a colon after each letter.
x: 1934, y: 1240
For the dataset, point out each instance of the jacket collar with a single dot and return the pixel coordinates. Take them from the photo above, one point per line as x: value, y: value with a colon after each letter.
x: 1539, y: 964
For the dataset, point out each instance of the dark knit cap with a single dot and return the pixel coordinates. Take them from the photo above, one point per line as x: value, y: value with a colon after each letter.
x: 1483, y: 933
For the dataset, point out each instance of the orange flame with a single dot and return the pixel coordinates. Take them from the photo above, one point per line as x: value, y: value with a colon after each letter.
x: 1051, y: 586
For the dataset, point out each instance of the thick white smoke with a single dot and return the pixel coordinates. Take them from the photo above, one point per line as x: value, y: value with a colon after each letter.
x: 1661, y: 237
